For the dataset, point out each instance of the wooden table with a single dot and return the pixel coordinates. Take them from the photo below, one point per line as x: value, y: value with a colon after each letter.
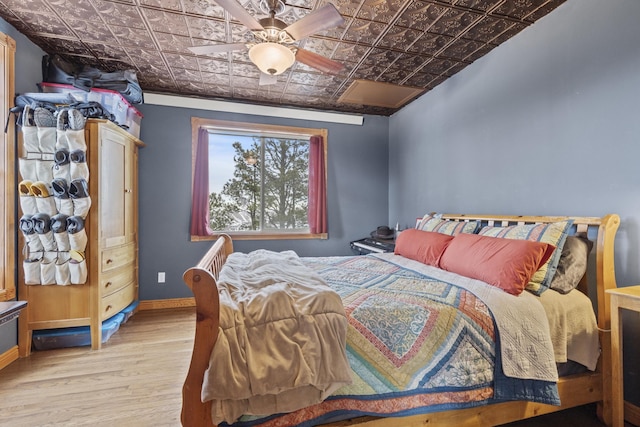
x: 629, y: 299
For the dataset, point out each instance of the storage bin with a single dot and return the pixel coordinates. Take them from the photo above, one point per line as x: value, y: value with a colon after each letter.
x: 79, y: 336
x: 124, y: 113
x: 129, y: 310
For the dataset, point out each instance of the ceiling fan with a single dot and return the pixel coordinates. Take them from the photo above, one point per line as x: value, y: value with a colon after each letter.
x: 274, y: 50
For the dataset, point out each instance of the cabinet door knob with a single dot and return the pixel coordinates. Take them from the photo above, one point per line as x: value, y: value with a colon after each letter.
x: 128, y: 190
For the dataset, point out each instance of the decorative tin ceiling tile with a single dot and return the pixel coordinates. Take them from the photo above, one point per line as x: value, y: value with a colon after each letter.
x: 514, y: 29
x: 481, y: 5
x: 454, y: 22
x: 365, y: 32
x: 105, y: 51
x: 417, y: 43
x: 399, y: 38
x: 348, y: 8
x: 147, y: 58
x: 430, y: 44
x: 411, y: 62
x: 215, y: 79
x: 320, y: 46
x: 73, y: 47
x: 544, y: 10
x: 378, y: 10
x: 166, y: 22
x: 420, y: 80
x: 350, y: 52
x: 180, y: 75
x: 119, y: 14
x: 26, y: 6
x: 487, y: 29
x: 519, y: 9
x: 76, y: 9
x: 207, y: 29
x: 44, y: 23
x: 381, y: 56
x: 182, y: 61
x: 303, y: 78
x: 92, y: 31
x: 203, y: 7
x: 173, y: 43
x: 421, y: 15
x: 165, y: 4
x: 133, y: 37
x: 213, y: 66
x: 394, y: 74
x: 460, y: 49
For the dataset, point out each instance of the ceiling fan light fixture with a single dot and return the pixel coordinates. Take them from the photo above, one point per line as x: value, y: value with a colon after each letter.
x: 271, y: 58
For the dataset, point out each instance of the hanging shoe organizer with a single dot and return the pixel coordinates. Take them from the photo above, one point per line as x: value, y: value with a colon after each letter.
x: 54, y: 195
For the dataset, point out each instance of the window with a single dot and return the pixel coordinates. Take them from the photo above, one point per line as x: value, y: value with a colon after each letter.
x: 7, y: 162
x: 258, y: 181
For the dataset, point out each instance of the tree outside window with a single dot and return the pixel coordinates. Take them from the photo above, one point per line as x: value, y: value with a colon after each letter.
x: 268, y: 187
x: 259, y: 179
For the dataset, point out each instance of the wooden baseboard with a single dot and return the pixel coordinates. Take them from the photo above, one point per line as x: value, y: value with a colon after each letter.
x: 8, y: 357
x: 159, y: 304
x: 632, y: 413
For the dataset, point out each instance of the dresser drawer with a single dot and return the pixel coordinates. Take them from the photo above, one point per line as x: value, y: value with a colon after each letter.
x: 117, y: 257
x: 116, y: 279
x: 114, y: 303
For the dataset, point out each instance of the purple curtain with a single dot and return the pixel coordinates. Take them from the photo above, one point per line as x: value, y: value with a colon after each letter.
x: 317, y: 186
x: 200, y: 193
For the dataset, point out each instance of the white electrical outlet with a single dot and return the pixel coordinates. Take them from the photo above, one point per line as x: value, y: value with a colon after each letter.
x: 161, y: 277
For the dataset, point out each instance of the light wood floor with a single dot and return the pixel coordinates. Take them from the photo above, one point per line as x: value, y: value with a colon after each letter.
x: 134, y: 380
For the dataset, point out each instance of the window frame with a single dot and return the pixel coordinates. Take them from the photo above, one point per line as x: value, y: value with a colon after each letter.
x: 7, y: 171
x: 198, y: 123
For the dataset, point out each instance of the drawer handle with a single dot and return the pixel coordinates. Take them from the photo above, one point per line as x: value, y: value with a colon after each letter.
x: 128, y: 190
x: 109, y: 307
x: 109, y: 261
x: 106, y: 285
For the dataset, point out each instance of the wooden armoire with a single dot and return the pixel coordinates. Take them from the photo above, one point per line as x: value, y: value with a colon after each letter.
x: 111, y: 253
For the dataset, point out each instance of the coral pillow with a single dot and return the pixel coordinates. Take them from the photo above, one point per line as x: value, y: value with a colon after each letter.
x: 423, y: 246
x: 505, y: 263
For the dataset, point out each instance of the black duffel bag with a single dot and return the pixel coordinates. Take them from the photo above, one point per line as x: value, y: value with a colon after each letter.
x: 56, y: 69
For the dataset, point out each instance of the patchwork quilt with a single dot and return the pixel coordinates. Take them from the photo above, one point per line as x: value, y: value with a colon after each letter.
x: 415, y: 344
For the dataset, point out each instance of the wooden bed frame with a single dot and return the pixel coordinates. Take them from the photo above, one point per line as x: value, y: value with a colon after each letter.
x: 574, y: 390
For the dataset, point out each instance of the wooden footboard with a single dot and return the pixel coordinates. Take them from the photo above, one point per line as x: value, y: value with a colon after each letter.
x: 574, y: 391
x: 201, y: 279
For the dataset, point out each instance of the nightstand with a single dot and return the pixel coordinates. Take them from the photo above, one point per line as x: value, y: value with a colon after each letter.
x: 629, y: 299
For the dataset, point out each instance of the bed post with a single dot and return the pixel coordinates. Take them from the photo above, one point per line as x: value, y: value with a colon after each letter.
x: 201, y: 279
x: 606, y: 279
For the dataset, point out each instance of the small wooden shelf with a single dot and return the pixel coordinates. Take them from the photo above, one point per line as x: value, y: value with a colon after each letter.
x: 629, y: 299
x: 9, y: 310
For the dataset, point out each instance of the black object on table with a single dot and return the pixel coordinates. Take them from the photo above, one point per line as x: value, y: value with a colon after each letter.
x: 370, y: 245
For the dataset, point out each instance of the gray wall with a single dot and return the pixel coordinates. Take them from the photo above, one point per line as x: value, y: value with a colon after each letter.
x: 548, y: 123
x: 356, y: 195
x: 28, y: 73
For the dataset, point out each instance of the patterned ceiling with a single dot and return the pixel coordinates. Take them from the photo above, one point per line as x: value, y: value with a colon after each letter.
x: 413, y: 43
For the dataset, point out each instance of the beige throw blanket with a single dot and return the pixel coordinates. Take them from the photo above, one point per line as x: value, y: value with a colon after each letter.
x: 282, y: 338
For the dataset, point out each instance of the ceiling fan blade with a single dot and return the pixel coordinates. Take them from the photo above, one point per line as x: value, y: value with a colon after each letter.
x: 217, y: 48
x: 319, y: 62
x: 240, y: 13
x: 267, y: 79
x: 319, y: 20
